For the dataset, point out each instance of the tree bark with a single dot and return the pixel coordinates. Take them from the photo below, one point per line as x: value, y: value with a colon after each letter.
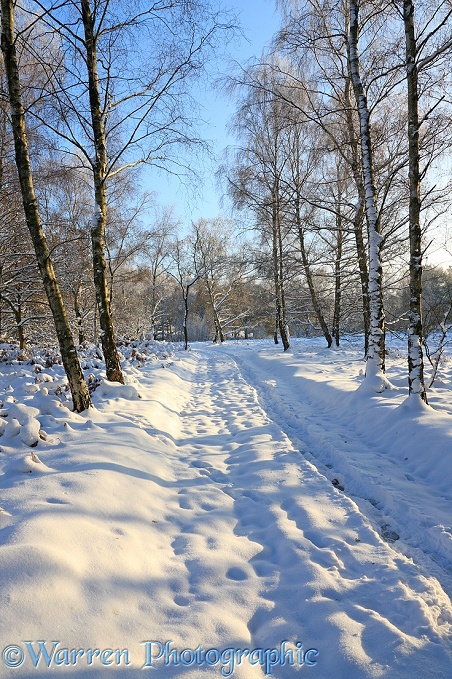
x: 277, y: 273
x: 337, y: 280
x: 79, y: 390
x: 17, y: 311
x: 304, y: 255
x: 280, y: 318
x: 219, y: 334
x: 415, y: 331
x: 309, y: 278
x: 99, y: 166
x: 79, y: 319
x: 376, y: 351
x: 284, y: 330
x: 153, y: 324
x: 185, y: 295
x: 358, y: 218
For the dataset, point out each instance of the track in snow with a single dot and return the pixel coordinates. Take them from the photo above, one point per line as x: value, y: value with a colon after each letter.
x: 273, y: 552
x: 369, y: 477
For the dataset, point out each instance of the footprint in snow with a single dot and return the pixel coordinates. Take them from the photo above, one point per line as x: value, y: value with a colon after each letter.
x: 180, y: 545
x: 184, y: 503
x: 316, y: 538
x: 250, y: 495
x: 264, y: 569
x: 181, y: 600
x: 199, y: 464
x: 236, y: 573
x: 375, y: 503
x: 388, y: 534
x: 219, y: 477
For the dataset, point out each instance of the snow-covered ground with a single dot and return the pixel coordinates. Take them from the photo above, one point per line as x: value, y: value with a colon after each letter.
x: 231, y: 511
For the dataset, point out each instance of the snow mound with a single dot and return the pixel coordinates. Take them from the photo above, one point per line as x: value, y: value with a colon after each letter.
x: 6, y: 518
x: 117, y: 390
x: 21, y: 422
x: 30, y: 464
x: 442, y: 536
x: 21, y: 412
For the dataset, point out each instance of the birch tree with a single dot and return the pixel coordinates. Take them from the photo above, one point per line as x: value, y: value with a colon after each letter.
x: 157, y: 256
x: 116, y: 94
x: 256, y: 180
x: 318, y: 85
x: 421, y: 53
x: 222, y: 271
x: 302, y: 158
x: 388, y: 162
x: 376, y: 350
x: 186, y: 274
x: 99, y: 169
x: 79, y: 390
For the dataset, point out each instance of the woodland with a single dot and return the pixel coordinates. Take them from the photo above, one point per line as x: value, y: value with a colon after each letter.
x: 337, y: 186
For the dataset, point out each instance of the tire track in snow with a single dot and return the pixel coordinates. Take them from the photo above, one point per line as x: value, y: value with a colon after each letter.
x: 266, y: 536
x: 368, y: 478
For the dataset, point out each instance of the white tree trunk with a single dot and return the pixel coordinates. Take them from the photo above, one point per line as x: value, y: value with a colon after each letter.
x: 415, y: 355
x: 375, y: 377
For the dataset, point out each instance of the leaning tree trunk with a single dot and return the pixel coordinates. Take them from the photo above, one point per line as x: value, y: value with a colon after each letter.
x: 310, y: 280
x: 376, y: 351
x: 415, y: 331
x: 99, y: 166
x: 79, y: 390
x: 304, y: 255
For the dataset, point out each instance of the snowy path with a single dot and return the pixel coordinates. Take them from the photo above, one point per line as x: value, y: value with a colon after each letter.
x: 330, y: 433
x: 190, y: 516
x: 311, y: 568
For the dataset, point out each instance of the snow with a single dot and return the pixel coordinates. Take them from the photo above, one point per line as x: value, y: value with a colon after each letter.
x: 230, y: 511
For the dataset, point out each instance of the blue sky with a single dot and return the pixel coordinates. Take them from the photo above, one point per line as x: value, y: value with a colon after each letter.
x: 259, y: 21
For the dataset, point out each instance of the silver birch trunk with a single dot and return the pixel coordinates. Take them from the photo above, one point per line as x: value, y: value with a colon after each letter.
x: 416, y: 384
x: 281, y: 323
x: 336, y: 325
x: 375, y: 367
x: 358, y: 219
x: 107, y: 335
x: 79, y: 390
